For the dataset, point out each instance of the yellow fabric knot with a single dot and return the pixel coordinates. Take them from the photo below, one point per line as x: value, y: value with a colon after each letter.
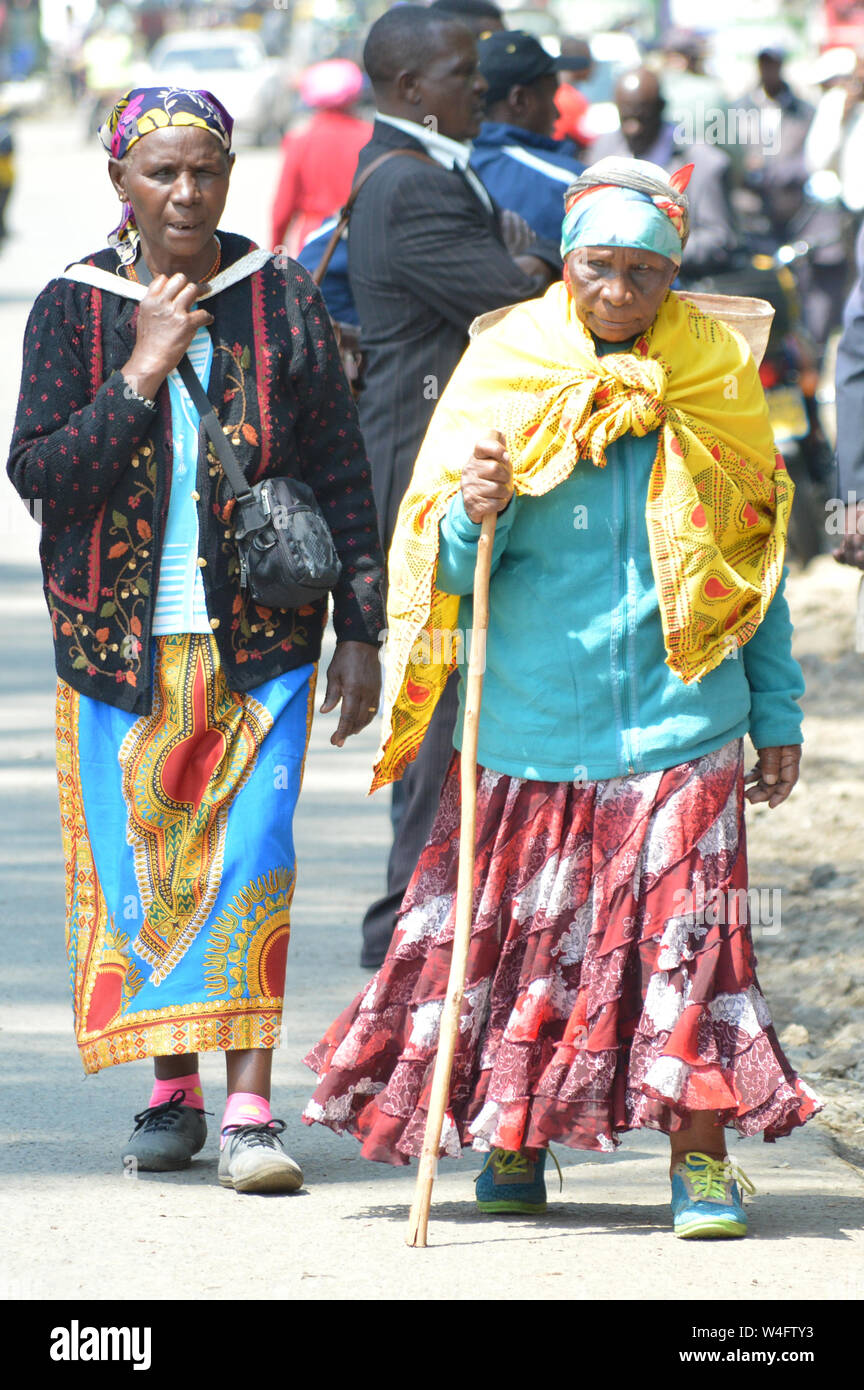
x: 628, y: 397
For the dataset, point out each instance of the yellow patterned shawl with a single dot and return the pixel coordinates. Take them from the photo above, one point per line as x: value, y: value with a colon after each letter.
x: 718, y: 497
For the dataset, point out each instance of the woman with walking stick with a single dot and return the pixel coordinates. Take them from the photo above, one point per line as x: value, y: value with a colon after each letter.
x: 637, y: 632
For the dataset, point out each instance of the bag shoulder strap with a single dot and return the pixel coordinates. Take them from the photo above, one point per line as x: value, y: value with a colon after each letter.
x: 345, y: 215
x: 104, y: 280
x: 209, y: 419
x: 131, y: 289
x: 232, y: 274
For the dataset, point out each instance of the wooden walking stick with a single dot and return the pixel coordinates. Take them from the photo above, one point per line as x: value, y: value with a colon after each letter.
x: 449, y: 1030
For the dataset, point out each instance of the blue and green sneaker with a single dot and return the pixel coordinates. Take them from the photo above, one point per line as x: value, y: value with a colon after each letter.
x: 511, y: 1181
x: 706, y: 1201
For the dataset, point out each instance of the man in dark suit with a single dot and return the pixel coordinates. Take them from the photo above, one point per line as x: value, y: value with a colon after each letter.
x: 644, y: 134
x: 427, y: 252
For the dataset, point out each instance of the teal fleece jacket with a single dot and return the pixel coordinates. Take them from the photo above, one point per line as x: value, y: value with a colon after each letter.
x: 576, y: 685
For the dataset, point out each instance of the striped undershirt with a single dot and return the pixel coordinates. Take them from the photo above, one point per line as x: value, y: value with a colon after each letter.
x: 180, y: 603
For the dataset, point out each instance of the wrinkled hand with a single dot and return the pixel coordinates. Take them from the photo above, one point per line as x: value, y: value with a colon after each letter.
x: 354, y: 677
x: 166, y: 326
x: 487, y: 478
x: 850, y: 551
x: 517, y: 235
x: 774, y: 775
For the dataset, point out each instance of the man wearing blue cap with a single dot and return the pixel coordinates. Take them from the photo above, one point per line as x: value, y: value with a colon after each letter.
x: 515, y: 154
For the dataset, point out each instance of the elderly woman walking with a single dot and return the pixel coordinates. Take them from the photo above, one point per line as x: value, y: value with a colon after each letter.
x: 638, y: 631
x: 183, y: 705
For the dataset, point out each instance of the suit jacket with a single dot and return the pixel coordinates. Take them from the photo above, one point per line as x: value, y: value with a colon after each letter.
x: 712, y: 228
x: 850, y: 389
x: 424, y: 258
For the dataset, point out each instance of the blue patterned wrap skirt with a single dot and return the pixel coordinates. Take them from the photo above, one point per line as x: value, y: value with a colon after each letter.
x: 180, y: 864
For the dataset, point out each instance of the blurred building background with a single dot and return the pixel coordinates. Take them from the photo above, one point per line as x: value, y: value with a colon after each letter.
x: 55, y: 48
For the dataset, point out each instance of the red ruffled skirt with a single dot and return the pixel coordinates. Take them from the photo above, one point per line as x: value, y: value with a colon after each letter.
x: 611, y: 977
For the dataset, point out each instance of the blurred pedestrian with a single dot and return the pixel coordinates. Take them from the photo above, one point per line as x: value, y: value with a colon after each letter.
x: 480, y: 16
x: 335, y: 287
x: 850, y: 422
x: 646, y: 133
x: 696, y: 103
x: 514, y: 153
x: 107, y: 55
x: 834, y: 157
x: 835, y: 140
x: 67, y: 54
x: 151, y: 24
x: 318, y: 162
x: 427, y: 252
x: 7, y: 173
x: 183, y: 705
x: 774, y: 167
x: 570, y: 101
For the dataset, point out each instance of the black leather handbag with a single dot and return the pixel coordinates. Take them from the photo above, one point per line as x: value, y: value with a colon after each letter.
x: 286, y: 551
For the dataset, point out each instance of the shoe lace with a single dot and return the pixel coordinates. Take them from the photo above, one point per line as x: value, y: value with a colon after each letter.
x: 509, y: 1162
x: 515, y: 1161
x: 709, y: 1176
x: 260, y: 1136
x: 157, y: 1117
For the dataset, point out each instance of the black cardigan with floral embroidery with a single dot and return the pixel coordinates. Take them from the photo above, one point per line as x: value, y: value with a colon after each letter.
x: 97, y: 462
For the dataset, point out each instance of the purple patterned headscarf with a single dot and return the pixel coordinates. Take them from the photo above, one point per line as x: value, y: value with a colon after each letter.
x: 143, y: 110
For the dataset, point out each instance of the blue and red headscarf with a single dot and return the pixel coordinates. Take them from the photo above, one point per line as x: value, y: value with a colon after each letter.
x: 143, y: 110
x: 628, y: 202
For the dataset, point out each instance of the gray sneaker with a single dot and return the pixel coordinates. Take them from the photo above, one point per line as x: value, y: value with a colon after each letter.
x: 253, y: 1160
x: 165, y: 1136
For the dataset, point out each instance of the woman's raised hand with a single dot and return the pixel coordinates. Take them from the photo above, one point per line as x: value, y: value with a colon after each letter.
x: 487, y: 478
x: 167, y: 324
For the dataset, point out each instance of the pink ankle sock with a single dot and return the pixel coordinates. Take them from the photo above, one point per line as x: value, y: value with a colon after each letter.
x: 190, y: 1085
x: 245, y: 1108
